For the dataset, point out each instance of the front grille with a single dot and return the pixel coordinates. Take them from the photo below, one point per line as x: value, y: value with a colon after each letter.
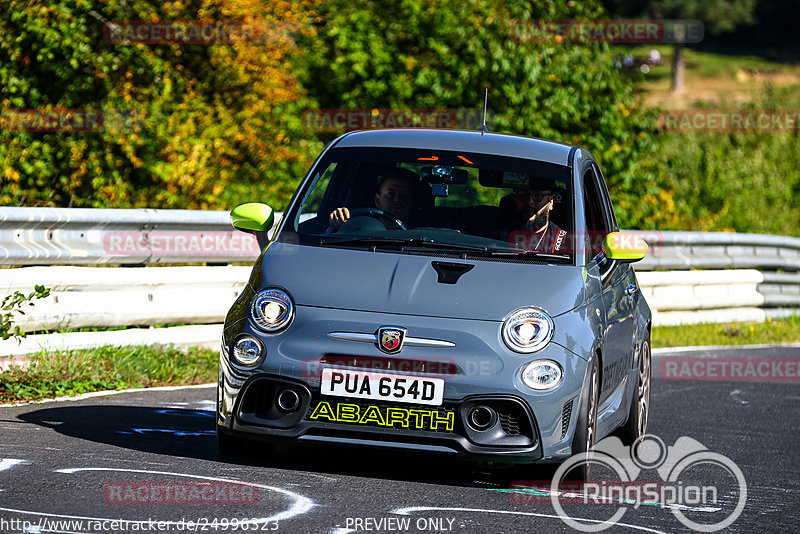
x: 392, y: 364
x: 566, y: 413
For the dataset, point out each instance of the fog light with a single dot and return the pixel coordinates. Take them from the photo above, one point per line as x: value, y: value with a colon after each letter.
x: 542, y: 375
x: 247, y: 350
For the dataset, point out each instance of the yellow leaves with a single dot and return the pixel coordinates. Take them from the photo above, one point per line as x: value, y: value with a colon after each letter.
x: 623, y: 109
x: 11, y: 174
x: 552, y: 77
x: 410, y: 63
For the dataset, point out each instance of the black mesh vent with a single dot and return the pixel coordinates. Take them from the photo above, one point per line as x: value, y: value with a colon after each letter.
x: 566, y: 413
x: 509, y: 423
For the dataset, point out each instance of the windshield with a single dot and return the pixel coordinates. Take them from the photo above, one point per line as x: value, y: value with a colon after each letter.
x: 418, y: 201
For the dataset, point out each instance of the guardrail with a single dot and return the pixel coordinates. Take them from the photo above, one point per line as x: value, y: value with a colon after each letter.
x: 741, y: 276
x: 76, y: 236
x: 719, y: 250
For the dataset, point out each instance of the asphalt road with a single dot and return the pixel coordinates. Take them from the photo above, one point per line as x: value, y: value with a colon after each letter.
x: 150, y: 455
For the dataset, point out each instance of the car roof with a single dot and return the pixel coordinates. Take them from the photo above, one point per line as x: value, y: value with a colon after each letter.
x: 515, y: 146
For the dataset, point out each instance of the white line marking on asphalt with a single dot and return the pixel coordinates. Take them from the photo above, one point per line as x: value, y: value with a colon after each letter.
x: 411, y: 509
x: 735, y: 396
x: 300, y: 505
x: 669, y: 350
x: 8, y: 463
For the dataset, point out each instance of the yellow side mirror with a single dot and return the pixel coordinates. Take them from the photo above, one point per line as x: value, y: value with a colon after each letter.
x: 252, y: 217
x: 624, y: 247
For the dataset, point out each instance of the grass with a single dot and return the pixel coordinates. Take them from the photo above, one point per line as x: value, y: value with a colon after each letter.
x: 113, y: 368
x: 106, y: 368
x: 773, y: 331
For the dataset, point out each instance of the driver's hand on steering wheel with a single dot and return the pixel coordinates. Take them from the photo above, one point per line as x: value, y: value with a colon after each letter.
x: 338, y: 217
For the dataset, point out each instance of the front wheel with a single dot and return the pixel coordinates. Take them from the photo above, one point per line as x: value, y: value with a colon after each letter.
x: 639, y: 414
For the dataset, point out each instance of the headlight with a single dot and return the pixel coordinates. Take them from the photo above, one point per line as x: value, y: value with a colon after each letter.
x: 247, y: 350
x: 542, y: 374
x: 527, y: 330
x: 272, y: 310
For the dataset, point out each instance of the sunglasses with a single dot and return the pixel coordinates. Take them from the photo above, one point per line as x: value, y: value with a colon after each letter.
x: 537, y: 196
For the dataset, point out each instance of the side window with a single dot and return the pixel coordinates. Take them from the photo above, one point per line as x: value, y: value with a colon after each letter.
x: 315, y: 195
x: 597, y: 222
x: 606, y: 199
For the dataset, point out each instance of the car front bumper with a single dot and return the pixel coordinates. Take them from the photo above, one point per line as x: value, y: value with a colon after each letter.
x: 479, y: 369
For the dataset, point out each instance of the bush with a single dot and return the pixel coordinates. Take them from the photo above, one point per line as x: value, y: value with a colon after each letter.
x: 192, y: 119
x: 743, y: 182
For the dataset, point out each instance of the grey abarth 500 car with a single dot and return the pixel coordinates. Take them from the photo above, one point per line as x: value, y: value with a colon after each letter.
x: 438, y: 290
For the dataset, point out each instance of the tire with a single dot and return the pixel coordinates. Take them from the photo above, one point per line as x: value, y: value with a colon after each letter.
x: 586, y: 431
x: 639, y: 414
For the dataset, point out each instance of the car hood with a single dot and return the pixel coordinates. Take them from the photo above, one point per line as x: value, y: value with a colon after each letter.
x: 405, y: 283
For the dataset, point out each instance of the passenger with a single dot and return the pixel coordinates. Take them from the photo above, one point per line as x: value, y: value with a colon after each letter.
x: 526, y: 214
x: 395, y: 196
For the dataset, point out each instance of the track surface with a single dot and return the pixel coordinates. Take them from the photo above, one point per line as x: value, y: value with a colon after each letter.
x: 56, y: 460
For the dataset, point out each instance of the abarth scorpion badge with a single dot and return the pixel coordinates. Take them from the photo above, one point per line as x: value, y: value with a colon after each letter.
x: 390, y: 339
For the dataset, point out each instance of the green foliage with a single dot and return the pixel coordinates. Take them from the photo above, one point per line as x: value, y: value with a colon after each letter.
x: 436, y: 54
x: 13, y: 304
x: 106, y: 368
x: 745, y: 182
x: 188, y: 120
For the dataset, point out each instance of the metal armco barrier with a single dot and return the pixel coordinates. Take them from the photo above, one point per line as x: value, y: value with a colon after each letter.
x: 76, y: 236
x: 687, y: 277
x: 719, y: 250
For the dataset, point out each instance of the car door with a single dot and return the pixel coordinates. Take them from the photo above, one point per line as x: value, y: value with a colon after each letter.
x: 616, y: 281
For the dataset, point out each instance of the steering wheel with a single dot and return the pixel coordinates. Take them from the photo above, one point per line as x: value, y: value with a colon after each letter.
x: 388, y: 220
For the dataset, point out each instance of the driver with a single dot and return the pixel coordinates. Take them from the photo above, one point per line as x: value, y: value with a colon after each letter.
x: 395, y: 196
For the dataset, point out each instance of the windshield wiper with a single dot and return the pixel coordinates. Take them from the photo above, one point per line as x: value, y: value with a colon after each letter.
x: 528, y: 252
x: 415, y: 242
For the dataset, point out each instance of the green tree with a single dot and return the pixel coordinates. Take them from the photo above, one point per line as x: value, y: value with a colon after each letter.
x: 192, y: 125
x: 436, y: 54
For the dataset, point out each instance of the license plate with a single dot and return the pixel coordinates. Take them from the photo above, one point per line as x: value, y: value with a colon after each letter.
x: 381, y: 386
